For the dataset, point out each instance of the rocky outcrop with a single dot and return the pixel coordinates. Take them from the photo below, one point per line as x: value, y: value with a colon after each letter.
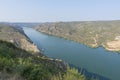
x: 24, y: 44
x: 113, y: 45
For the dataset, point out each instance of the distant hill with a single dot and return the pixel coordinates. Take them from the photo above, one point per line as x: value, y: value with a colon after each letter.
x: 90, y: 33
x: 24, y: 24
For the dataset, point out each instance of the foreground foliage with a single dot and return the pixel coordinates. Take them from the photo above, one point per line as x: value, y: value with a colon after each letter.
x: 71, y: 74
x: 17, y: 64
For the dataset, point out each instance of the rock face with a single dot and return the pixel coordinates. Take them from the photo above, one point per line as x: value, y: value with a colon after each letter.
x: 114, y: 45
x: 90, y: 33
x: 24, y: 44
x: 10, y: 34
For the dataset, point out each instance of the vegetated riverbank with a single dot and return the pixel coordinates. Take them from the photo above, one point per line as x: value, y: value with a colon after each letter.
x: 18, y: 63
x: 90, y: 33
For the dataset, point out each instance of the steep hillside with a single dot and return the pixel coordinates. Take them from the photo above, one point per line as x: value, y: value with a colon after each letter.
x: 93, y: 34
x: 10, y: 34
x: 18, y: 64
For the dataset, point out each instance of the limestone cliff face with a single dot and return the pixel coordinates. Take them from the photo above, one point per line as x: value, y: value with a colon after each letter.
x: 8, y: 33
x: 113, y: 45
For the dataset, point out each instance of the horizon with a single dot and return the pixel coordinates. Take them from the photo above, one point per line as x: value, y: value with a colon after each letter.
x: 60, y: 21
x: 59, y: 11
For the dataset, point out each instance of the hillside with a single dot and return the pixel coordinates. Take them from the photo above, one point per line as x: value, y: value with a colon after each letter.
x: 18, y: 64
x: 10, y: 34
x: 90, y: 33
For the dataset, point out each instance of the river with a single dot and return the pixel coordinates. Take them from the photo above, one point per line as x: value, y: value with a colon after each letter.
x: 96, y: 60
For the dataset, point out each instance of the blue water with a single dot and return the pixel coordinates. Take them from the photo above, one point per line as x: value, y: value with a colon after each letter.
x: 97, y: 60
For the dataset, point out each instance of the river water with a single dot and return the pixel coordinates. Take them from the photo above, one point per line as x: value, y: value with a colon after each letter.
x: 96, y: 60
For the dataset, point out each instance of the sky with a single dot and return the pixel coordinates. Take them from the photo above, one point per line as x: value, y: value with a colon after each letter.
x: 58, y: 10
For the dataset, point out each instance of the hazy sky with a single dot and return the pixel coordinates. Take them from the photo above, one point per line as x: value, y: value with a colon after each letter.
x: 58, y: 10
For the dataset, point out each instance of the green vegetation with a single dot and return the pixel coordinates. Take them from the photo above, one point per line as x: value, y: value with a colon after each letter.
x: 71, y: 74
x: 18, y: 64
x: 93, y: 34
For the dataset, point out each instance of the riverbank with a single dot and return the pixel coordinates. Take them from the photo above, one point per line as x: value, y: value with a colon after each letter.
x: 93, y: 34
x: 90, y: 46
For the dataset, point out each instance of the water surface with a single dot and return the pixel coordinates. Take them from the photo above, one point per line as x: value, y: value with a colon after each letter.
x: 97, y: 60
